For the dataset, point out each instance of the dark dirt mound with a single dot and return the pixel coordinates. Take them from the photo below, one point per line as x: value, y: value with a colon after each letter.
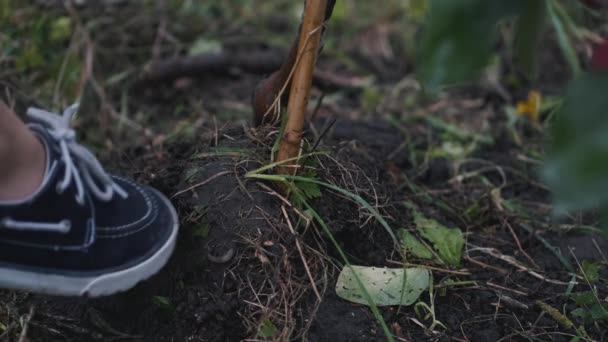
x: 236, y: 264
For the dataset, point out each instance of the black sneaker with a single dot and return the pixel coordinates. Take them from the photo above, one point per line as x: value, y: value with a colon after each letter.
x: 84, y: 232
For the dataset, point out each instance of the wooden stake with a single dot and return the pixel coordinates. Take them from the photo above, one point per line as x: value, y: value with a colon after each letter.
x: 308, y: 47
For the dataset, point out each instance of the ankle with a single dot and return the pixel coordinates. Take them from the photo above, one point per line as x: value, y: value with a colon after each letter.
x: 23, y: 160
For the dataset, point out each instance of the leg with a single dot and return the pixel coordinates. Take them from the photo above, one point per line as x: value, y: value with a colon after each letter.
x: 22, y: 157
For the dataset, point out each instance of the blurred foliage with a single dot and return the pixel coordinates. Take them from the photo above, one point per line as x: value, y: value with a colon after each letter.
x: 458, y: 43
x: 459, y: 38
x: 531, y: 26
x: 36, y: 43
x: 577, y: 166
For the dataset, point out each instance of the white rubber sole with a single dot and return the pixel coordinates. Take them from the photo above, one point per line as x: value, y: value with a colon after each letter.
x: 96, y: 286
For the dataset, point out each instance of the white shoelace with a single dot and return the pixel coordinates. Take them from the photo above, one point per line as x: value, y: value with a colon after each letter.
x: 81, y: 167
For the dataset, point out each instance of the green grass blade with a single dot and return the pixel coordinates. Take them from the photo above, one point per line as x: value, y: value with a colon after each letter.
x: 564, y: 41
x: 357, y: 198
x: 250, y: 174
x: 368, y: 298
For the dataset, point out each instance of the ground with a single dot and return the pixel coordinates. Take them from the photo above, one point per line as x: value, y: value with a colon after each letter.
x: 249, y: 265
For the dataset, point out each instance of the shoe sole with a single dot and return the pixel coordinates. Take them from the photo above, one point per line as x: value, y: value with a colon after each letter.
x: 99, y: 285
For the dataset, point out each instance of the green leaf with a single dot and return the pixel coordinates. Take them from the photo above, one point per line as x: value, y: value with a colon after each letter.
x: 417, y: 8
x: 599, y: 312
x: 412, y: 245
x: 560, y: 23
x: 205, y: 46
x: 267, y: 329
x: 583, y: 298
x: 29, y: 57
x: 459, y: 37
x: 447, y: 242
x: 452, y: 150
x: 577, y: 165
x: 581, y: 314
x: 386, y: 286
x: 310, y: 190
x: 591, y: 270
x: 202, y: 230
x: 61, y: 29
x: 162, y: 302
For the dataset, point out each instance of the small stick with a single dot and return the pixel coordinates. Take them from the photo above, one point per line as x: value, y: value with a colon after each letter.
x: 512, y: 261
x: 484, y: 265
x: 208, y: 180
x: 599, y: 250
x: 442, y: 270
x: 491, y: 284
x: 299, y: 247
x: 521, y: 249
x: 25, y: 325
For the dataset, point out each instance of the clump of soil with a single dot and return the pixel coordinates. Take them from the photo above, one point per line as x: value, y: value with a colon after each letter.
x: 238, y: 271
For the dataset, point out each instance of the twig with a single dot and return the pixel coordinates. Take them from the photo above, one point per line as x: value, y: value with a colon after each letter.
x: 326, y: 129
x: 484, y: 265
x: 491, y: 284
x: 512, y: 261
x: 206, y: 181
x: 257, y: 62
x: 521, y: 249
x: 25, y: 324
x: 599, y: 250
x: 437, y: 269
x: 299, y: 247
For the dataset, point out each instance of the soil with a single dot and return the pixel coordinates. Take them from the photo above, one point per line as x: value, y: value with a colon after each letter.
x: 249, y: 266
x: 207, y: 300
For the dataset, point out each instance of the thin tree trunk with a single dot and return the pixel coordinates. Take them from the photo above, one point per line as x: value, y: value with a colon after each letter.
x: 308, y: 47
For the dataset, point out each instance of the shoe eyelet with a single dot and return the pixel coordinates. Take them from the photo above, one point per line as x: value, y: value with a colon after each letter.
x: 67, y: 225
x: 58, y: 189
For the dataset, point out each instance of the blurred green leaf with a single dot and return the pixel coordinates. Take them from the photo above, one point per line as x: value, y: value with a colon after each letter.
x: 583, y: 298
x: 29, y: 57
x: 417, y: 8
x: 310, y: 190
x: 202, y: 230
x: 61, y: 29
x: 459, y: 37
x: 412, y: 245
x: 591, y: 270
x: 561, y: 21
x: 531, y: 26
x: 162, y: 302
x: 447, y: 242
x: 6, y: 10
x: 577, y: 165
x: 205, y: 46
x: 599, y: 312
x: 267, y: 329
